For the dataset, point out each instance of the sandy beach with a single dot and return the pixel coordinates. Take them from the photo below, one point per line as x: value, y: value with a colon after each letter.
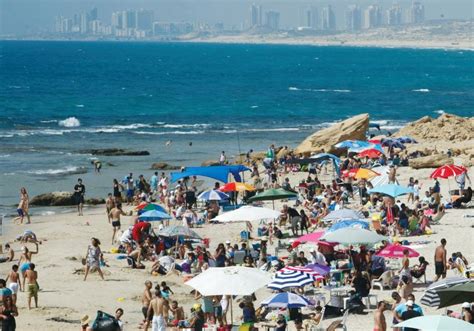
x: 65, y: 296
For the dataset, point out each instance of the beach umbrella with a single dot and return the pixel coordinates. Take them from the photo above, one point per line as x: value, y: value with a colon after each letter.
x: 236, y: 187
x: 375, y: 141
x: 324, y: 157
x: 154, y: 215
x: 286, y: 300
x: 290, y: 278
x: 151, y: 206
x: 364, y: 173
x: 456, y: 294
x: 321, y: 269
x: 352, y: 144
x: 311, y: 272
x: 435, y: 323
x: 248, y: 213
x: 407, y: 140
x: 392, y: 190
x: 392, y: 143
x: 272, y: 195
x: 311, y: 237
x: 447, y: 171
x: 353, y: 236
x: 343, y: 214
x: 178, y: 231
x: 361, y: 149
x: 360, y: 224
x: 431, y: 298
x: 396, y: 252
x: 213, y: 195
x: 142, y: 205
x: 371, y: 153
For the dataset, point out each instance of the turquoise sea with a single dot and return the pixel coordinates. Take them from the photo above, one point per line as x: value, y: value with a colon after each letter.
x: 57, y: 98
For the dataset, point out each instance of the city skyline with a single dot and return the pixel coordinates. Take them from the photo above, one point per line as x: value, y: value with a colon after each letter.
x: 290, y: 16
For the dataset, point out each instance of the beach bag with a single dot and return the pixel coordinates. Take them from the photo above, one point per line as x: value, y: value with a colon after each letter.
x: 105, y: 322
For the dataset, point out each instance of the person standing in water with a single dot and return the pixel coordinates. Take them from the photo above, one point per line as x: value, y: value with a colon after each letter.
x: 79, y: 191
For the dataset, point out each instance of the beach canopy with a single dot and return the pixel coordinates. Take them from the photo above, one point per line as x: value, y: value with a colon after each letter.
x: 360, y: 224
x: 213, y: 195
x: 311, y: 237
x: 343, y: 214
x: 286, y: 300
x: 396, y: 252
x: 248, y: 213
x: 236, y: 187
x: 435, y: 323
x: 353, y: 144
x: 392, y: 190
x: 220, y: 173
x: 353, y: 236
x: 154, y: 215
x: 449, y: 170
x: 229, y: 281
x: 456, y: 294
x: 272, y: 195
x: 290, y: 278
x: 431, y: 298
x: 179, y: 231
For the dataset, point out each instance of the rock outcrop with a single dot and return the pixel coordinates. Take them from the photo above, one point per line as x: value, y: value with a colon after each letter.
x: 430, y: 161
x: 353, y: 128
x: 163, y: 166
x: 210, y: 163
x: 61, y: 199
x: 114, y: 152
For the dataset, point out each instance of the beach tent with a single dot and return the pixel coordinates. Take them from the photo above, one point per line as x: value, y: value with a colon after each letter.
x: 220, y: 173
x: 248, y: 213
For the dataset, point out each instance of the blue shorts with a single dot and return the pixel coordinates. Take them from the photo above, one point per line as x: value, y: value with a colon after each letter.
x: 130, y: 193
x: 20, y: 212
x: 25, y: 266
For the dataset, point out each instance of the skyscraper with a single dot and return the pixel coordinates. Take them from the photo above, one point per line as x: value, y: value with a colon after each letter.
x: 417, y: 13
x: 144, y: 20
x: 255, y: 15
x: 353, y: 18
x: 394, y: 15
x: 129, y: 19
x: 328, y: 21
x: 93, y: 14
x: 372, y: 17
x: 272, y: 19
x: 117, y: 20
x: 84, y: 26
x: 312, y: 19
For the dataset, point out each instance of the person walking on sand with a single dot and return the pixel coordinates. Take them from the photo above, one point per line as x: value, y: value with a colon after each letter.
x: 93, y: 258
x: 109, y: 205
x: 32, y: 285
x: 8, y: 312
x: 158, y: 308
x: 15, y: 283
x: 25, y: 257
x: 379, y: 319
x: 79, y: 192
x: 114, y: 215
x: 146, y: 299
x: 440, y: 260
x: 23, y: 207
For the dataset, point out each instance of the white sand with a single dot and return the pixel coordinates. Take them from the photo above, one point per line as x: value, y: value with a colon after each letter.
x: 67, y: 296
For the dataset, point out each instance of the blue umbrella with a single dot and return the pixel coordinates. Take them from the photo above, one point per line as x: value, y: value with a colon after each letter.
x: 286, y: 300
x: 153, y: 215
x: 352, y: 144
x: 392, y: 143
x: 213, y: 195
x: 343, y: 214
x: 391, y: 190
x: 361, y: 224
x: 407, y: 140
x: 324, y: 157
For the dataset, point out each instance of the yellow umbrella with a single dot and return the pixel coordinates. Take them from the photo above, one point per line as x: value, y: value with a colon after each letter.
x: 363, y: 173
x: 236, y: 186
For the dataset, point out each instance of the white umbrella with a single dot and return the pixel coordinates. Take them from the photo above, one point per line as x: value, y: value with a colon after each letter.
x: 353, y: 236
x: 248, y: 213
x: 343, y: 214
x: 213, y: 195
x: 435, y: 323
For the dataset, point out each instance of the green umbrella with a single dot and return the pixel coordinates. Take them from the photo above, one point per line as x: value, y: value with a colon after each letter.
x: 272, y: 195
x: 456, y: 294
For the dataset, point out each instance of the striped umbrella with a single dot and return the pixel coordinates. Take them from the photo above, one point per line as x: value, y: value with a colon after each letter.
x: 431, y: 298
x: 153, y: 215
x: 448, y: 170
x: 213, y: 195
x: 286, y: 300
x: 316, y: 275
x: 178, y: 231
x: 290, y: 278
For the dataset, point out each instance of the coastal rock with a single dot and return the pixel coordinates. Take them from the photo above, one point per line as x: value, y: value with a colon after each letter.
x: 61, y: 199
x: 211, y: 163
x: 163, y: 166
x: 430, y: 161
x: 114, y: 152
x: 353, y: 128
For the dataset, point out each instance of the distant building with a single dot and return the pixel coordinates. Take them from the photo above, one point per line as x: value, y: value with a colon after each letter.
x: 272, y: 20
x: 353, y: 18
x: 96, y: 27
x: 84, y: 25
x: 417, y: 13
x: 129, y: 19
x: 394, y: 15
x: 144, y: 20
x: 312, y: 18
x: 328, y: 19
x: 372, y: 17
x: 255, y: 15
x: 170, y: 28
x: 93, y: 15
x: 117, y: 21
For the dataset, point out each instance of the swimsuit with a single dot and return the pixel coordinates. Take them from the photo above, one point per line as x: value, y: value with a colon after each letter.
x: 116, y: 223
x: 439, y: 268
x: 13, y: 287
x: 32, y: 290
x: 158, y: 323
x: 25, y: 266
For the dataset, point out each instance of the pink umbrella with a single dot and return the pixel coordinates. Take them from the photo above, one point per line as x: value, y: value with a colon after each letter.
x: 396, y: 252
x: 311, y: 237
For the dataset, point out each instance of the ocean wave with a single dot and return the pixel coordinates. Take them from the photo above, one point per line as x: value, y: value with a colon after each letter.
x: 152, y: 133
x: 273, y: 130
x: 178, y: 126
x: 380, y: 122
x: 47, y: 213
x: 70, y: 170
x: 80, y: 106
x: 291, y: 88
x: 421, y: 90
x: 253, y: 107
x: 16, y: 87
x: 439, y: 111
x: 49, y: 121
x: 330, y: 90
x: 4, y: 155
x: 70, y: 122
x: 6, y: 135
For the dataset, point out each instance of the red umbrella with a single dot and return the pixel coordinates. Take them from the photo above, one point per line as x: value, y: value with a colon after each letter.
x: 350, y: 173
x: 396, y: 252
x: 371, y: 153
x: 448, y: 170
x: 375, y: 141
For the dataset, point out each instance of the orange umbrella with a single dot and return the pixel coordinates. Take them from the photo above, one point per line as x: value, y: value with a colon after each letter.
x: 363, y: 173
x: 236, y: 186
x: 371, y: 153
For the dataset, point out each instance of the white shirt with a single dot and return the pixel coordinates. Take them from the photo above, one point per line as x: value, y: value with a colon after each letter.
x: 318, y: 257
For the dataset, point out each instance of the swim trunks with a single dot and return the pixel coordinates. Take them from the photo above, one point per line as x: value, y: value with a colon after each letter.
x: 25, y: 266
x: 32, y: 290
x: 439, y: 268
x: 158, y: 323
x: 13, y: 287
x: 116, y: 224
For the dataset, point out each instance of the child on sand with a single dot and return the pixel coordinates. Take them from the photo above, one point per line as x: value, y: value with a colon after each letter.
x: 15, y: 283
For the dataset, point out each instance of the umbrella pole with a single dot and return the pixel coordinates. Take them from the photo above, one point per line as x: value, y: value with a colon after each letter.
x: 273, y: 202
x: 231, y: 313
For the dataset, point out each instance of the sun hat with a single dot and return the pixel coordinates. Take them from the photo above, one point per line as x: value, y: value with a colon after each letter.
x: 85, y: 320
x: 466, y: 305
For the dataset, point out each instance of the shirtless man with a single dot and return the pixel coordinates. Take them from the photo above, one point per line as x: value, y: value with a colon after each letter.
x: 178, y: 312
x: 109, y: 205
x: 15, y: 283
x: 146, y: 299
x: 9, y: 254
x: 159, y: 309
x: 32, y: 286
x: 379, y: 318
x: 440, y: 260
x: 114, y: 215
x: 392, y: 175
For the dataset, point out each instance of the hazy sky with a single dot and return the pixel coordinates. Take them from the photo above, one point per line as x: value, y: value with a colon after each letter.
x: 24, y: 16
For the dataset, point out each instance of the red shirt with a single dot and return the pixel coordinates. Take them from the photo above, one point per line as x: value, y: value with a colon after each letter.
x: 138, y: 230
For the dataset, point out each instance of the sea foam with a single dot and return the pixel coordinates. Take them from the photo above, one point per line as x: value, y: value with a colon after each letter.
x: 70, y: 122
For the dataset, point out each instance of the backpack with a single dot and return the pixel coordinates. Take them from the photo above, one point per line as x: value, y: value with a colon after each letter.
x: 105, y: 322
